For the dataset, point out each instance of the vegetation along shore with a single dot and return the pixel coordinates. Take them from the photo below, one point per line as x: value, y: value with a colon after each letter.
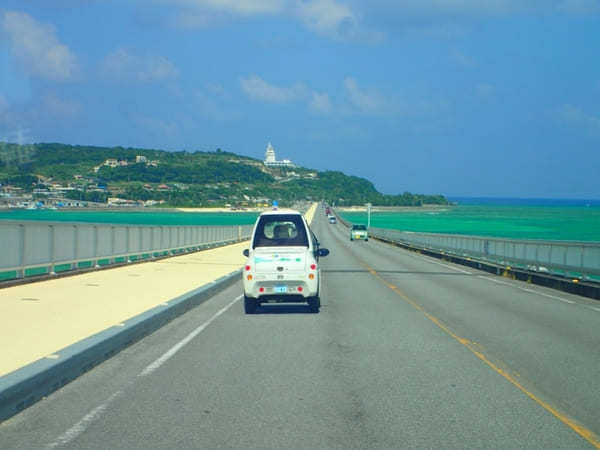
x: 59, y: 175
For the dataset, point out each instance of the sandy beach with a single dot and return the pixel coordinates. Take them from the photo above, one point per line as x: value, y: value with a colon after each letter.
x: 219, y: 210
x: 395, y: 209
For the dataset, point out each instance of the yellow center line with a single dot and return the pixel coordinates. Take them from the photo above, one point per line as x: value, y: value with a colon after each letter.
x: 580, y: 429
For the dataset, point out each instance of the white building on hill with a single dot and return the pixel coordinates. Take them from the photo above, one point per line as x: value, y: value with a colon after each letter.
x: 271, y: 160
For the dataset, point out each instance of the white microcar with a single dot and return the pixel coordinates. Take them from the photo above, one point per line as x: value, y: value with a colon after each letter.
x: 283, y: 262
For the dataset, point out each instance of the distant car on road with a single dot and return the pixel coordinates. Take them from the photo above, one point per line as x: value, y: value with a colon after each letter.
x: 282, y: 264
x: 359, y: 232
x: 332, y: 219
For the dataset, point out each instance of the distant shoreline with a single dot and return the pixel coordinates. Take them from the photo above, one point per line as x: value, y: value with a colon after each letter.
x: 146, y: 210
x: 398, y: 209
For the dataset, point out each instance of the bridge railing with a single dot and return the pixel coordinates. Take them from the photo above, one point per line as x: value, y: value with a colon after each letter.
x: 581, y: 258
x: 35, y: 248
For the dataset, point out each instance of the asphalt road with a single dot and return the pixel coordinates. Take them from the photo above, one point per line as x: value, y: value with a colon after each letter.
x: 407, y: 352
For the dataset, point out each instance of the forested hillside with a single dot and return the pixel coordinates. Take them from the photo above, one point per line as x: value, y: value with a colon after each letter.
x: 181, y: 178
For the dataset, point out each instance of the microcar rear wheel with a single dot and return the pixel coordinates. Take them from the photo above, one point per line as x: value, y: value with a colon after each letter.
x: 250, y: 305
x: 314, y: 303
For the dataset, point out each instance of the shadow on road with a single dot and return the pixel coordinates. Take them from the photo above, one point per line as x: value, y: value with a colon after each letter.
x: 403, y: 272
x: 283, y: 308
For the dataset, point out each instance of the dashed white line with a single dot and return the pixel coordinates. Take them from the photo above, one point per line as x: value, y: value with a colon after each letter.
x: 80, y: 427
x: 83, y: 424
x: 447, y: 266
x: 591, y: 307
x: 173, y: 350
x: 571, y: 302
x: 564, y: 300
x: 504, y: 283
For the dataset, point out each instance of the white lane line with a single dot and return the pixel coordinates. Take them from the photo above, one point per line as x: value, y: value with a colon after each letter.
x: 591, y: 307
x: 446, y: 265
x: 571, y: 302
x: 77, y: 429
x: 83, y: 424
x: 528, y: 290
x: 504, y: 283
x: 173, y: 350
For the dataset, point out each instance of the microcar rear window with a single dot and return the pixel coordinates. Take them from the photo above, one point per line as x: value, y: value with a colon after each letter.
x: 280, y: 230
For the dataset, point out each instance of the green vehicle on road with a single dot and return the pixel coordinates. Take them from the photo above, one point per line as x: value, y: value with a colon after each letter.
x: 359, y: 232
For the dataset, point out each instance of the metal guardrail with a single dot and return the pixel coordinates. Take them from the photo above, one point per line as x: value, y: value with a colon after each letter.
x: 60, y: 246
x: 541, y: 256
x: 576, y: 257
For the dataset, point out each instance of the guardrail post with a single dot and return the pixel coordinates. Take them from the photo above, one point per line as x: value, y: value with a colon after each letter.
x: 141, y: 240
x: 21, y: 271
x: 96, y: 245
x: 162, y: 237
x: 128, y: 250
x: 52, y: 245
x: 75, y: 247
x: 112, y: 245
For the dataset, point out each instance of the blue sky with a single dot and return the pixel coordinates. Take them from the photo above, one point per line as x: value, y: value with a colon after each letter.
x: 459, y: 97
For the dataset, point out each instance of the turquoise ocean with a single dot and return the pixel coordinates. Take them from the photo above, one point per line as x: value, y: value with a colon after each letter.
x: 153, y: 217
x: 547, y: 219
x: 576, y: 220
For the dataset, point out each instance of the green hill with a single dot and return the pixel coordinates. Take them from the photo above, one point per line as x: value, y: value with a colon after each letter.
x: 180, y: 178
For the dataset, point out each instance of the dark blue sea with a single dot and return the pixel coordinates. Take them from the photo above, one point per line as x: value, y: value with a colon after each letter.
x: 507, y: 201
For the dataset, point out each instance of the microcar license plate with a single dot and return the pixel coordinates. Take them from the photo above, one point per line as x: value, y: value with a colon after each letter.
x: 280, y: 289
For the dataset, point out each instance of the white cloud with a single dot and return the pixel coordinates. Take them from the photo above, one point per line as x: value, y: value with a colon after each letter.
x: 125, y: 65
x: 371, y: 20
x: 574, y: 115
x: 335, y: 18
x: 258, y: 89
x: 352, y: 99
x: 369, y: 101
x: 194, y: 14
x: 37, y: 47
x: 320, y: 103
x: 235, y: 7
x: 326, y: 16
